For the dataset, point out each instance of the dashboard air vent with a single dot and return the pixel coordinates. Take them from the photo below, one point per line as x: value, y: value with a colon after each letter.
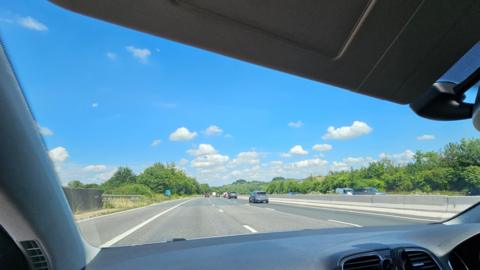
x: 363, y: 262
x: 419, y: 259
x: 35, y: 255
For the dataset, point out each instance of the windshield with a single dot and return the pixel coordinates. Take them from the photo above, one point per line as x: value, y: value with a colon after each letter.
x: 151, y: 138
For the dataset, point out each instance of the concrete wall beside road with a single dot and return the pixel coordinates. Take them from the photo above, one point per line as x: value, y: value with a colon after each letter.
x: 441, y: 203
x: 430, y: 206
x: 81, y: 199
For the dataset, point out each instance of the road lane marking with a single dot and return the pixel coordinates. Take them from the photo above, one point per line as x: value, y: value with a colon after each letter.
x: 220, y: 210
x: 357, y: 212
x: 252, y: 230
x: 271, y: 209
x: 132, y: 230
x: 124, y: 211
x: 346, y: 223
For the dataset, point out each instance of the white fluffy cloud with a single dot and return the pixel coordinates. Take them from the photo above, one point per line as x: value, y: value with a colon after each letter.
x: 95, y: 168
x: 295, y: 124
x: 351, y: 162
x: 340, y: 166
x: 32, y: 24
x: 44, y: 130
x: 399, y: 158
x: 206, y: 156
x: 297, y: 150
x: 111, y: 55
x: 206, y: 161
x: 426, y: 137
x: 68, y: 171
x: 227, y: 171
x: 141, y: 54
x: 357, y: 129
x: 357, y: 162
x: 95, y: 104
x: 182, y: 134
x: 202, y: 150
x: 322, y: 147
x: 250, y: 157
x: 213, y: 130
x: 104, y: 176
x: 156, y: 142
x: 309, y: 163
x: 58, y: 154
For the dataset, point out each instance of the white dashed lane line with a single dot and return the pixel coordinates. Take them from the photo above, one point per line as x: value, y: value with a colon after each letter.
x: 252, y: 230
x: 345, y: 223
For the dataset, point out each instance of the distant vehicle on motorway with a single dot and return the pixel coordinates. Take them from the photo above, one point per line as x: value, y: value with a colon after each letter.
x: 206, y: 195
x: 232, y: 195
x: 258, y: 197
x: 366, y: 191
x: 344, y: 191
x: 217, y: 194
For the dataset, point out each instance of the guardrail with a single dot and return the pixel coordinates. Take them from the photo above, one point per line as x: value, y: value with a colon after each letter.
x: 429, y: 206
x: 109, y: 197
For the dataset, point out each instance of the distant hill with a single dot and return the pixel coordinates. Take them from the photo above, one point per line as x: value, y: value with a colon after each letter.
x: 242, y: 186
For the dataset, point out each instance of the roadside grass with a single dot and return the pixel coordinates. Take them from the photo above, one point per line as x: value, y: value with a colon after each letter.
x: 113, y: 203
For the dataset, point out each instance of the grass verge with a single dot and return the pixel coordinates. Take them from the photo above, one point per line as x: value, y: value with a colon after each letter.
x: 113, y: 204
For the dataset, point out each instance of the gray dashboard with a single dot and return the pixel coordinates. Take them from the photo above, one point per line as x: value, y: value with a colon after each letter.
x: 309, y: 249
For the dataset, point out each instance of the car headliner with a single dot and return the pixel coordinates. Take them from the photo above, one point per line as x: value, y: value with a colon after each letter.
x: 392, y: 50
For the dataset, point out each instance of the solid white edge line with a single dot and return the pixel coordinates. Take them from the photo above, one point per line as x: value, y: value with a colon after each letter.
x: 124, y: 211
x: 346, y: 223
x: 132, y: 230
x: 357, y: 212
x: 252, y: 230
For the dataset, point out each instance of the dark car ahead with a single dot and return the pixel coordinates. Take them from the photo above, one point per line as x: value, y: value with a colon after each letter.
x: 232, y: 195
x: 365, y: 191
x: 258, y: 197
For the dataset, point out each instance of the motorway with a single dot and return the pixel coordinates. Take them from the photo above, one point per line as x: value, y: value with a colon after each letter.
x: 213, y: 217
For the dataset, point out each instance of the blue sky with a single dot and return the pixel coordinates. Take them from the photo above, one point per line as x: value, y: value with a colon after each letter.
x: 105, y: 96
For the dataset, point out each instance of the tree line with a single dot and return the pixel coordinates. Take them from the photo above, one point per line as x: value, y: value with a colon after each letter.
x: 241, y: 186
x: 453, y: 169
x: 155, y: 179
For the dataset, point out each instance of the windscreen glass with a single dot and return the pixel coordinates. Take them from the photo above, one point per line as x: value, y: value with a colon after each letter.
x: 149, y: 136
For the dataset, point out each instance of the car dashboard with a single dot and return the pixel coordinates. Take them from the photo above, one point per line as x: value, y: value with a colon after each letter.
x: 434, y: 246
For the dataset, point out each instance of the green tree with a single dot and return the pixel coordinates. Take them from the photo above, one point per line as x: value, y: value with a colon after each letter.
x: 160, y: 177
x: 132, y: 189
x: 471, y: 176
x: 123, y: 175
x: 75, y: 184
x: 92, y: 185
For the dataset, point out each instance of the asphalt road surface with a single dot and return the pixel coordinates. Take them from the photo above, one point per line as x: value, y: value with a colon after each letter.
x: 211, y: 217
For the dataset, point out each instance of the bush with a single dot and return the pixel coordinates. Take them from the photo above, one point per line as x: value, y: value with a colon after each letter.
x: 132, y: 189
